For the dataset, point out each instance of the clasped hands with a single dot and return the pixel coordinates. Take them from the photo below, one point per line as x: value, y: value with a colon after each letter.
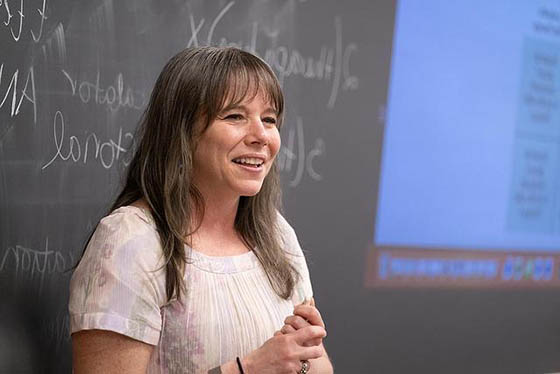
x: 299, y: 340
x: 305, y: 314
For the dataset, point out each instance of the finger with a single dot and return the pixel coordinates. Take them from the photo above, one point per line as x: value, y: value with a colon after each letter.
x: 309, y: 313
x: 313, y: 342
x: 296, y: 322
x: 308, y: 333
x: 305, y: 302
x: 310, y: 353
x: 312, y: 303
x: 287, y: 329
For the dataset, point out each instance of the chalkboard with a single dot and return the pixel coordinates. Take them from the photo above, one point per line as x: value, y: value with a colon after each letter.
x: 75, y: 77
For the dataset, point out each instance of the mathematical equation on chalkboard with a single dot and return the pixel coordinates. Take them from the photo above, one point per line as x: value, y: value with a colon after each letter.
x: 69, y: 87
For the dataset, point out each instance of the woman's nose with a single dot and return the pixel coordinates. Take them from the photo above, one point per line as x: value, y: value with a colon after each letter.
x: 257, y: 132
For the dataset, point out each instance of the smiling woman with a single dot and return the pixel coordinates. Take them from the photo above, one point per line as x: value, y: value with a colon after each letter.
x: 194, y: 270
x: 235, y: 153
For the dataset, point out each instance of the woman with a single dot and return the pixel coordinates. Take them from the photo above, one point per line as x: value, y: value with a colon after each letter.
x: 194, y: 270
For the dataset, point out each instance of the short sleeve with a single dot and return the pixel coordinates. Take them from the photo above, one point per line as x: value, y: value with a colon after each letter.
x: 119, y: 284
x: 303, y: 289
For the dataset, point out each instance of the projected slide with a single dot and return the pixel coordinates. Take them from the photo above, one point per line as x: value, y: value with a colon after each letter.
x: 469, y: 191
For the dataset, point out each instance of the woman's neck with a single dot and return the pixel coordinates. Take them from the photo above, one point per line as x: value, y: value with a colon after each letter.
x: 216, y: 235
x: 219, y: 216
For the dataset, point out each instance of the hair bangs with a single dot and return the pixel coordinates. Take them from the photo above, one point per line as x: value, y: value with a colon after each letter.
x: 242, y: 77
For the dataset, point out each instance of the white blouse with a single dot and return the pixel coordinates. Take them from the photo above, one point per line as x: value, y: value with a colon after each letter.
x: 229, y: 308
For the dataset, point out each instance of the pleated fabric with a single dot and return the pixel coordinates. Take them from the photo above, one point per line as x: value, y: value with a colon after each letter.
x: 229, y: 309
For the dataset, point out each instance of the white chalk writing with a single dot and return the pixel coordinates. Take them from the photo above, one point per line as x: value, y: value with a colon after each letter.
x: 15, y: 21
x: 108, y: 152
x: 293, y: 157
x: 41, y: 12
x: 217, y: 20
x: 332, y: 64
x: 27, y: 92
x: 33, y: 263
x: 113, y: 96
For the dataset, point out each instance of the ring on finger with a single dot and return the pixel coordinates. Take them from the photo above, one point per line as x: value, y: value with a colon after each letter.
x: 304, y: 367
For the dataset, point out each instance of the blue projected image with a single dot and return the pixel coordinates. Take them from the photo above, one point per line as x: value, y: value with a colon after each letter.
x: 471, y: 151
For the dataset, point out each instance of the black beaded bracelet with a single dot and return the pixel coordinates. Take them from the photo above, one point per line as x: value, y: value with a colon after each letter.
x: 239, y: 366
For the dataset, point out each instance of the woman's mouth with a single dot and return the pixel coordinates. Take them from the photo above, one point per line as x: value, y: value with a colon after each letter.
x: 249, y: 162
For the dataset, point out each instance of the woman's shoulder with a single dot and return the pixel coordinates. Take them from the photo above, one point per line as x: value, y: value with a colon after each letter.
x: 283, y: 223
x: 119, y: 283
x: 303, y: 289
x: 288, y: 236
x: 284, y: 227
x: 128, y: 217
x: 128, y: 232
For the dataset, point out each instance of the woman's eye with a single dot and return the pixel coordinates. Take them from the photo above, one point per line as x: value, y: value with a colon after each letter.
x: 234, y: 117
x: 270, y: 120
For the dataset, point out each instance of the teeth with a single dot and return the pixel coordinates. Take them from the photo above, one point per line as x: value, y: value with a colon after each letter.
x: 249, y: 161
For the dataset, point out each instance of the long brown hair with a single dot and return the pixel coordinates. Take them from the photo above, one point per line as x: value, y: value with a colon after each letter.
x: 195, y: 85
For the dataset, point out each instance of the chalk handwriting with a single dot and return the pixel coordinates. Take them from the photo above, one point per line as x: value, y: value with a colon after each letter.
x: 338, y: 62
x: 8, y: 22
x: 293, y: 157
x: 195, y: 29
x: 217, y: 20
x: 41, y: 12
x: 15, y: 21
x: 108, y: 153
x: 193, y: 41
x: 9, y: 16
x: 289, y: 62
x: 27, y: 92
x: 333, y: 62
x: 114, y: 96
x: 349, y: 82
x: 32, y: 263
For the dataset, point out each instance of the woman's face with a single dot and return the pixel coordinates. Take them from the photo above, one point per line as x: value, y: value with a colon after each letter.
x: 235, y: 153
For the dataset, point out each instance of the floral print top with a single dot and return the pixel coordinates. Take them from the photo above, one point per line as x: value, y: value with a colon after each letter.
x: 229, y: 309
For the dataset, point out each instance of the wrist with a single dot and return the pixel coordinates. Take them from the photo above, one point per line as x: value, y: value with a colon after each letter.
x: 230, y: 367
x: 247, y: 363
